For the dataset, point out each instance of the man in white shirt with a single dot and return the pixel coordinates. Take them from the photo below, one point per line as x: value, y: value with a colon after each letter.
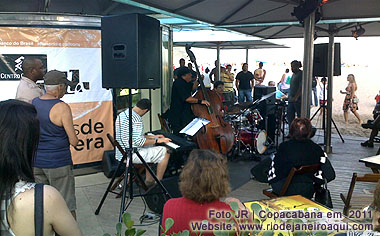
x: 33, y: 70
x: 145, y: 144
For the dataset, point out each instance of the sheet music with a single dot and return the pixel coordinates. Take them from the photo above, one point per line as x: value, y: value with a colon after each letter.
x: 193, y: 127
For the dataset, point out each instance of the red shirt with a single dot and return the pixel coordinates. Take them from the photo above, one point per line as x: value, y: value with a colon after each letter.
x: 186, y: 213
x: 377, y: 98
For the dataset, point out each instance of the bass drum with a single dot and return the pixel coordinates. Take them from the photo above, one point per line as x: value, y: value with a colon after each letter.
x: 254, y: 139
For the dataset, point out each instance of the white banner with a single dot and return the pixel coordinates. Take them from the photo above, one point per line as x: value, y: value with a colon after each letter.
x: 76, y: 52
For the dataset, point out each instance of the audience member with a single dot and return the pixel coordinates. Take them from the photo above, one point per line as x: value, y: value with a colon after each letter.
x: 145, y: 143
x: 214, y: 76
x: 181, y: 64
x: 374, y: 125
x: 296, y: 152
x: 53, y: 164
x: 227, y: 77
x: 206, y: 78
x: 285, y: 81
x: 33, y: 70
x: 244, y: 84
x: 259, y: 74
x: 20, y: 130
x: 295, y: 91
x: 377, y: 97
x: 204, y: 181
x: 314, y: 83
x: 323, y: 95
x: 351, y: 100
x: 193, y: 72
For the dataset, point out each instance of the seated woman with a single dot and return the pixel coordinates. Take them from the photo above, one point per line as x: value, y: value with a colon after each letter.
x: 204, y: 181
x: 299, y: 151
x: 19, y: 132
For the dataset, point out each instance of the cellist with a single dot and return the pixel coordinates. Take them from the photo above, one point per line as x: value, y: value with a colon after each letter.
x: 180, y: 107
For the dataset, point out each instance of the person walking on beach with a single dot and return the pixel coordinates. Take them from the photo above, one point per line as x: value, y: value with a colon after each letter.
x: 351, y: 100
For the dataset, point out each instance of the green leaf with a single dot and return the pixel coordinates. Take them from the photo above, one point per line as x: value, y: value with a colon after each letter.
x: 234, y: 206
x: 185, y: 233
x: 129, y: 224
x: 126, y: 217
x: 256, y: 208
x: 107, y: 234
x: 280, y: 234
x: 130, y: 232
x: 268, y: 233
x: 169, y: 222
x: 140, y: 232
x: 118, y: 228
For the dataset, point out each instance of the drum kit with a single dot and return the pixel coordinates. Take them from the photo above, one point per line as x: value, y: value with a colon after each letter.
x: 245, y: 119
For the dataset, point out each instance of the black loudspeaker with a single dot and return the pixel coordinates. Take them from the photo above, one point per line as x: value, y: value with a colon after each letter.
x: 109, y: 164
x: 156, y: 200
x: 131, y: 52
x: 266, y: 107
x: 321, y: 59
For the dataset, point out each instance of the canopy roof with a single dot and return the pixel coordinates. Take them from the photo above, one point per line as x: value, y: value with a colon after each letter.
x: 266, y: 19
x: 241, y: 44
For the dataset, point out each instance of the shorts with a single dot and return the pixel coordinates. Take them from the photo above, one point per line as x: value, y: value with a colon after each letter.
x: 61, y: 178
x: 153, y: 154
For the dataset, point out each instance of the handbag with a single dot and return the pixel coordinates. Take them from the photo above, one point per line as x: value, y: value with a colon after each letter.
x: 323, y: 196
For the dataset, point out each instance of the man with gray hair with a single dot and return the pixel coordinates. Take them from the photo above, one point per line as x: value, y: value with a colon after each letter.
x: 28, y: 89
x: 53, y: 164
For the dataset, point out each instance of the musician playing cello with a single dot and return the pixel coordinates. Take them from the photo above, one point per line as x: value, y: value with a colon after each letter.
x: 180, y: 107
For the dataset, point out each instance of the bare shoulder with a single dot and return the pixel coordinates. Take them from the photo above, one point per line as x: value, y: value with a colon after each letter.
x: 51, y: 194
x: 62, y: 108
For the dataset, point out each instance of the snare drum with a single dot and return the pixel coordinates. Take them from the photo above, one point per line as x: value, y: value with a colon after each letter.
x: 255, y: 139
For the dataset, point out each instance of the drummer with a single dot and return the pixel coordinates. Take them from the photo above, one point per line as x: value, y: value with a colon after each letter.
x: 219, y: 88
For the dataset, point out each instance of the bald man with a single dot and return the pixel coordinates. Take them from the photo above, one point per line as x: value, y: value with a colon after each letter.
x: 33, y: 70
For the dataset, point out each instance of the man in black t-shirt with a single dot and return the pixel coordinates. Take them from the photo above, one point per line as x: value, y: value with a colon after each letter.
x: 245, y: 84
x: 180, y: 107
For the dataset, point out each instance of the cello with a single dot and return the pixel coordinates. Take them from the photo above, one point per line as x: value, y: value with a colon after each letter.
x: 217, y: 135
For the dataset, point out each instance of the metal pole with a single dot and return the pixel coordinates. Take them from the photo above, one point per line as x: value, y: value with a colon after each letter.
x: 246, y: 55
x: 218, y: 59
x: 307, y: 65
x: 330, y: 74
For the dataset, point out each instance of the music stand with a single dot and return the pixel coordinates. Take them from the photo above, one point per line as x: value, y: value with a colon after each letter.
x: 323, y: 105
x: 129, y: 171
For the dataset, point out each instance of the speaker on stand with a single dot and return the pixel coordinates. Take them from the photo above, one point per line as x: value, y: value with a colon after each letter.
x: 321, y: 59
x: 131, y: 52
